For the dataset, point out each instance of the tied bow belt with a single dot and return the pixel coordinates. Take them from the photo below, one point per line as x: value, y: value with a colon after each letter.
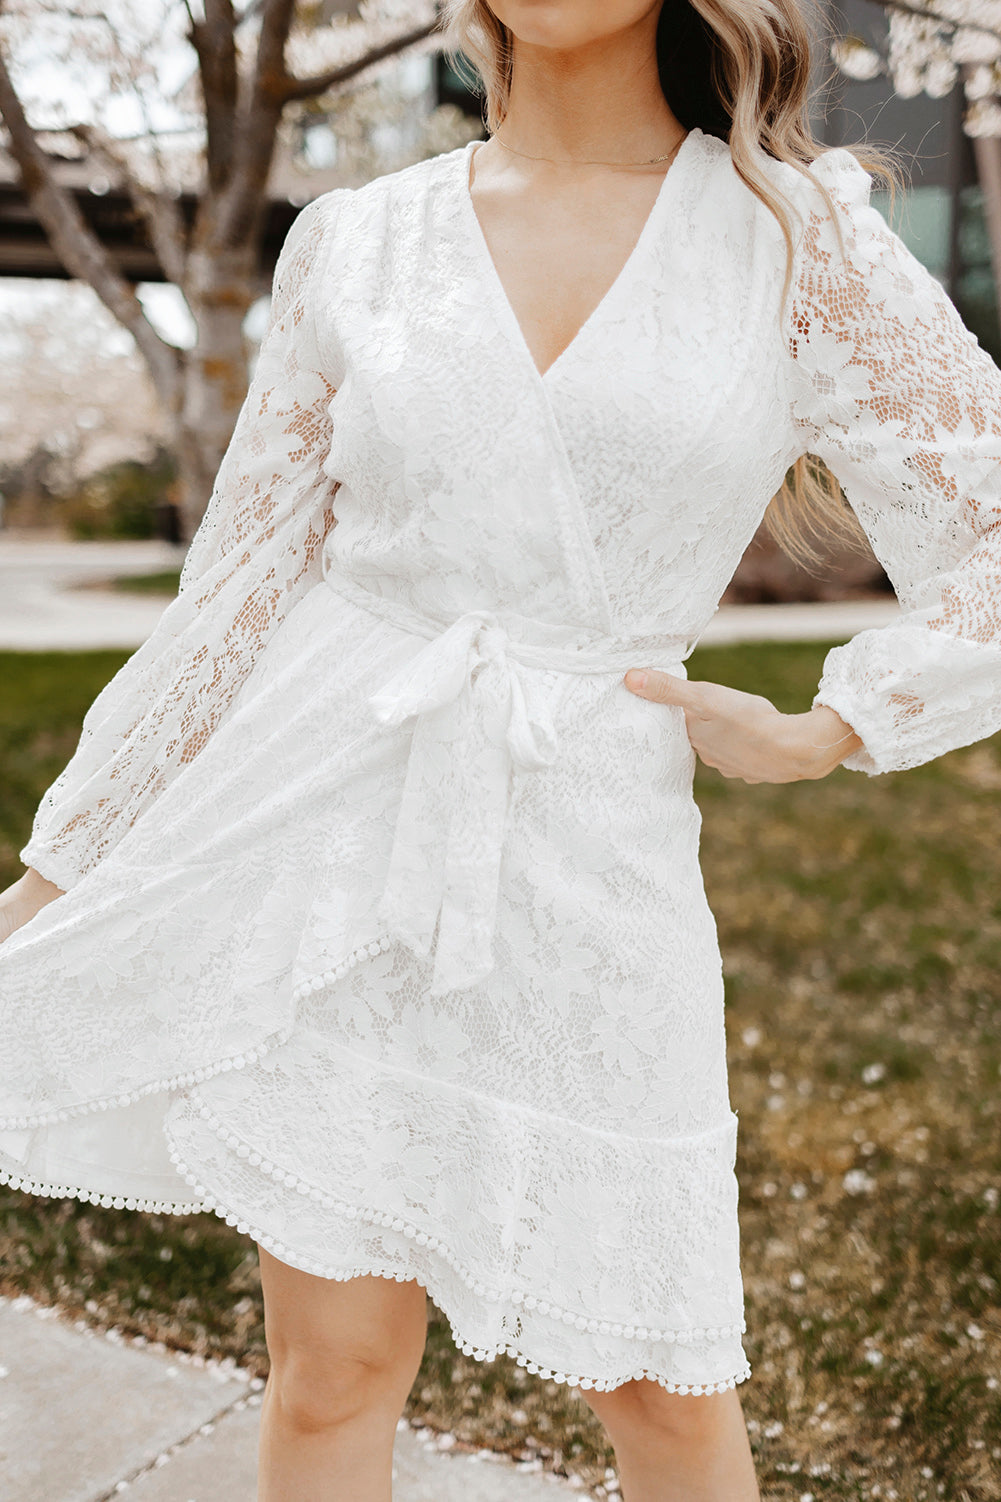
x: 478, y: 712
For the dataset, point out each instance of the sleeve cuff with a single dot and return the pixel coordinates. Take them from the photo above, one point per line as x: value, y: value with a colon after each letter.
x: 53, y: 867
x: 861, y: 760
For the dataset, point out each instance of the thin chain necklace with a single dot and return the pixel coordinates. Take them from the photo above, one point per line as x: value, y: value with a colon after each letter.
x: 650, y: 161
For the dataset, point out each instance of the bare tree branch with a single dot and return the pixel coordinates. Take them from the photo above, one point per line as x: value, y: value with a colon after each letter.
x: 79, y: 249
x: 215, y: 263
x: 84, y: 15
x: 214, y: 41
x: 156, y: 153
x: 272, y: 90
x: 259, y: 118
x: 160, y: 211
x: 308, y: 88
x: 276, y: 22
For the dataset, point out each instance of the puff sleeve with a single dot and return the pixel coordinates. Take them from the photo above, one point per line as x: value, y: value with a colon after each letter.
x: 897, y: 397
x: 255, y: 553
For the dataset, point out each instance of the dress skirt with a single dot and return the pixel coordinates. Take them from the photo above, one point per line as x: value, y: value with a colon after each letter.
x: 218, y: 1018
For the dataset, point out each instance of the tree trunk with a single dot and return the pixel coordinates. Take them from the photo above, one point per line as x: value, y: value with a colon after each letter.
x: 987, y: 154
x: 219, y: 288
x: 987, y: 150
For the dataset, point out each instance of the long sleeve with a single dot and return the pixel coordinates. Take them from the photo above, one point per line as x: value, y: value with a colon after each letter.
x: 892, y: 391
x: 254, y: 555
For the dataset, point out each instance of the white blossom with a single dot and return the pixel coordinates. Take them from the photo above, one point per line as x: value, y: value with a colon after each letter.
x: 969, y: 46
x: 855, y: 59
x: 983, y: 118
x: 927, y: 53
x: 980, y: 83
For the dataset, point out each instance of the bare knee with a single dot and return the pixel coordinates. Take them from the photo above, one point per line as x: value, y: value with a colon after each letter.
x: 642, y: 1407
x: 316, y: 1390
x: 339, y: 1349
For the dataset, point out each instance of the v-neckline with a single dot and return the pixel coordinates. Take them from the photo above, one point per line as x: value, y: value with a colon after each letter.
x: 465, y: 158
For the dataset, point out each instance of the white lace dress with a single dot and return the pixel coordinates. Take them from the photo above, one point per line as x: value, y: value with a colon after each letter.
x: 384, y: 934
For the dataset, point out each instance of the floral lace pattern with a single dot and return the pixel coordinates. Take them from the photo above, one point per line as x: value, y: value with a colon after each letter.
x: 384, y: 935
x: 256, y: 552
x: 895, y: 394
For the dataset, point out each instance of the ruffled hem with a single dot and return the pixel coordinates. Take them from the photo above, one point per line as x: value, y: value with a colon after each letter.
x: 399, y: 1223
x: 339, y: 971
x: 442, y: 1273
x: 29, y: 1185
x: 292, y: 1258
x: 171, y: 1084
x: 288, y: 1255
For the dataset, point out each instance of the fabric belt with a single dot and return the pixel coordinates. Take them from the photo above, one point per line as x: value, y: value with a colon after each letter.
x: 479, y: 713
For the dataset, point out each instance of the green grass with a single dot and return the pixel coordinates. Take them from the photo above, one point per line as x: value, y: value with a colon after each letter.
x: 164, y: 583
x: 860, y: 923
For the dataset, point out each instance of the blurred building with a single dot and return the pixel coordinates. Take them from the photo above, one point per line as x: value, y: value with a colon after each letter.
x: 942, y: 220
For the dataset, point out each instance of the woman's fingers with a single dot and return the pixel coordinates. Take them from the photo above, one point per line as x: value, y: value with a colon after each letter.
x: 660, y: 688
x: 739, y: 735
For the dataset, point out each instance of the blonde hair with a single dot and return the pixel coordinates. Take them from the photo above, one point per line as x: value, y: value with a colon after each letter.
x: 744, y: 70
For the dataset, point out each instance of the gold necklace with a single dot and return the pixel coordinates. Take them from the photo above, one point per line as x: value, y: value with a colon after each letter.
x: 651, y: 161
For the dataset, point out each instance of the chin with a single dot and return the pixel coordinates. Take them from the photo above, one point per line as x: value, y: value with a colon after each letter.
x: 564, y: 25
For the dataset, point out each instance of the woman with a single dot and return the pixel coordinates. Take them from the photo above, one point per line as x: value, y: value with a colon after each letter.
x: 380, y: 929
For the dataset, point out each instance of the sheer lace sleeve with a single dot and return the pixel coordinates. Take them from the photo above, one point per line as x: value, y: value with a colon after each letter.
x: 896, y: 396
x: 255, y: 553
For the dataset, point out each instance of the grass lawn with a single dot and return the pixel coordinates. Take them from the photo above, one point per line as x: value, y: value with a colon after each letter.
x: 163, y: 583
x: 860, y: 923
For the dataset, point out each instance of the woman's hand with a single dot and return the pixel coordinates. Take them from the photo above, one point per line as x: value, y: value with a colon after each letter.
x: 744, y: 735
x: 23, y: 899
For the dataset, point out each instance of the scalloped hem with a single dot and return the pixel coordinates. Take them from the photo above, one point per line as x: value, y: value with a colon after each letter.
x: 337, y: 972
x: 165, y: 1086
x: 377, y: 1217
x: 205, y: 1204
x: 28, y: 1185
x: 292, y: 1258
x: 173, y: 1083
x: 287, y: 1255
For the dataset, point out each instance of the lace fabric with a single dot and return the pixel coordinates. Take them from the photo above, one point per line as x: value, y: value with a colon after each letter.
x: 256, y: 552
x: 897, y: 397
x: 384, y: 934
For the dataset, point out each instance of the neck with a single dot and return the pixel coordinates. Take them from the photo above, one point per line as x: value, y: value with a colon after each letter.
x: 602, y: 100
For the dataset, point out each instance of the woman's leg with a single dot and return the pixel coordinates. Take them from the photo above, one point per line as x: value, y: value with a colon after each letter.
x: 673, y: 1447
x: 344, y: 1357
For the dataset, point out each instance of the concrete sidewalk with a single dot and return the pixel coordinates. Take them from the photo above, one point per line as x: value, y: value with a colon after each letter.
x: 44, y: 607
x: 87, y: 1417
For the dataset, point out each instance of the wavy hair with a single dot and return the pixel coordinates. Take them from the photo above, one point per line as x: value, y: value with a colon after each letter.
x: 739, y: 70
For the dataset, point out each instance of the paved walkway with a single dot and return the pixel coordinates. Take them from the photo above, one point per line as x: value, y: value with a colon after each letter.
x: 42, y: 605
x: 44, y: 608
x: 87, y: 1417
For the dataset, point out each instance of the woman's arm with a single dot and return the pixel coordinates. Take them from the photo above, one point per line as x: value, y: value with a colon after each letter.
x: 23, y: 899
x: 256, y: 552
x: 744, y: 736
x: 893, y: 392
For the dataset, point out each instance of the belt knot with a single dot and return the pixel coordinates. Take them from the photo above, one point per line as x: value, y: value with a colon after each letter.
x: 479, y: 713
